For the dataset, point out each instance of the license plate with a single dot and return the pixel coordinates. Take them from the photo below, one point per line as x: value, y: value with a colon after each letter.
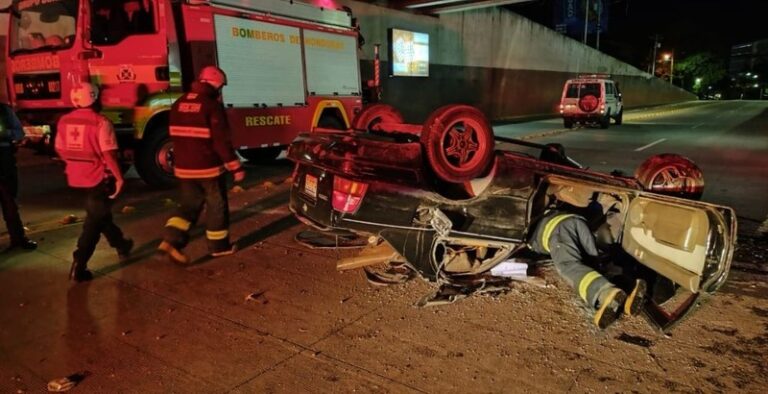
x: 310, y: 186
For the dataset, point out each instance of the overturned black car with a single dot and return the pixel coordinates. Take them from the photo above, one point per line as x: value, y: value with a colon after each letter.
x: 453, y: 206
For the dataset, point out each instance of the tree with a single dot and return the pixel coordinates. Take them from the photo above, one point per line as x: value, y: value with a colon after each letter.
x: 705, y: 65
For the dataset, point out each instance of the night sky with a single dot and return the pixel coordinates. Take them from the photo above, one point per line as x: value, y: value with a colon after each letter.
x: 686, y: 26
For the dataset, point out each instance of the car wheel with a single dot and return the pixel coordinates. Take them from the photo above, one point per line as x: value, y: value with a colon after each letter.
x: 672, y: 175
x: 261, y: 155
x: 154, y: 160
x: 620, y: 117
x: 372, y: 115
x: 568, y: 123
x: 458, y: 141
x: 605, y: 121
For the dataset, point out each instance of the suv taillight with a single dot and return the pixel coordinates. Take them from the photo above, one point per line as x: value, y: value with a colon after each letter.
x: 347, y: 194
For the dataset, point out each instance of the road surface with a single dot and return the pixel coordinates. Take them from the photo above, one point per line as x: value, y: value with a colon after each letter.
x: 277, y: 317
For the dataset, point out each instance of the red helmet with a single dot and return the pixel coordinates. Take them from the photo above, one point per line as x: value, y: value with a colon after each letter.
x: 84, y: 95
x: 213, y: 76
x: 671, y: 174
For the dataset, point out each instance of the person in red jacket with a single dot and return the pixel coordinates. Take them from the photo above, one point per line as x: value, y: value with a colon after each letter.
x: 203, y: 153
x: 86, y: 141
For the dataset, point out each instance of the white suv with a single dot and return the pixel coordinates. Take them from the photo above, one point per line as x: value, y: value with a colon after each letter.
x: 591, y: 99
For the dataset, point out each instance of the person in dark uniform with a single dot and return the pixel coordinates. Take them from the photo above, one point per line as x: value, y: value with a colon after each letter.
x: 86, y: 141
x: 203, y: 154
x: 566, y: 237
x: 11, y: 133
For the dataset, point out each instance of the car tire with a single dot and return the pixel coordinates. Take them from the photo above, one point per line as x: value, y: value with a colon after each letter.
x: 374, y: 114
x: 154, y: 159
x: 458, y: 141
x: 671, y: 174
x: 261, y: 155
x: 605, y: 121
x: 568, y: 123
x: 620, y: 117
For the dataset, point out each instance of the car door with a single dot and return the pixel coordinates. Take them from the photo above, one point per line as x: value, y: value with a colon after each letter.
x: 690, y: 243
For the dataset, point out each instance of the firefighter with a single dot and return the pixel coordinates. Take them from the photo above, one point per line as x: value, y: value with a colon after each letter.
x: 86, y: 141
x: 203, y: 153
x: 11, y: 133
x: 566, y: 237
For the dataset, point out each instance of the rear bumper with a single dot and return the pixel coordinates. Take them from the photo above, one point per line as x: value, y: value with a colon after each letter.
x: 582, y: 116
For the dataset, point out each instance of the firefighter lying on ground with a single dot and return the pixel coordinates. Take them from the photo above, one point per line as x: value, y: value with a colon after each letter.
x: 203, y: 153
x: 86, y: 141
x: 567, y: 238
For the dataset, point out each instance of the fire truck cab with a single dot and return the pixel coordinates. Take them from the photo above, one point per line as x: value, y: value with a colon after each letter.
x: 291, y: 66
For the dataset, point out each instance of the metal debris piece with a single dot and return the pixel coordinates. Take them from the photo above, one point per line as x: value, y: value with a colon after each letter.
x: 66, y: 383
x: 168, y: 202
x: 394, y: 274
x: 257, y: 297
x: 268, y: 185
x: 128, y: 209
x: 69, y: 219
x: 236, y: 189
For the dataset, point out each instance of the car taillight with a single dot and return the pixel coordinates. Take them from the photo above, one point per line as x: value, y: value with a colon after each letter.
x: 347, y: 195
x: 18, y: 88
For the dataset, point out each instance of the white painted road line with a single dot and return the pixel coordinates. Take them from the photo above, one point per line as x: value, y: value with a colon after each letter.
x: 650, y: 145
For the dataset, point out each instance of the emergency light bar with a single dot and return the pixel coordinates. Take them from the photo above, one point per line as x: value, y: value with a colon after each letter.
x: 285, y: 8
x: 595, y: 76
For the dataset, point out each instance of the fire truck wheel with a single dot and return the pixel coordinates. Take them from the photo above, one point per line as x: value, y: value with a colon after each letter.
x: 154, y: 160
x: 458, y: 141
x: 330, y: 121
x: 261, y: 155
x: 374, y: 114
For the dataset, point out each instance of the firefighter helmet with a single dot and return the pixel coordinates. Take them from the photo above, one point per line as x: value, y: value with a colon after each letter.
x: 213, y: 76
x: 84, y: 95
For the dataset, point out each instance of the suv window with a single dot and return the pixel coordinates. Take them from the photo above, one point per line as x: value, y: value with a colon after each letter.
x: 609, y: 88
x: 578, y: 90
x: 113, y: 20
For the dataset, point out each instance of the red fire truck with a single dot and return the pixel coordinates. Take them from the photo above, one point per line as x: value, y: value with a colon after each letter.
x: 291, y: 66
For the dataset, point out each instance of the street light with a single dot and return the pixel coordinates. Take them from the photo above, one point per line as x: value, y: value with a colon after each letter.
x: 671, y: 59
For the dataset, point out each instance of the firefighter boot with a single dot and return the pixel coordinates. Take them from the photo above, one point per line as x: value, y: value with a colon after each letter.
x: 124, y: 252
x: 79, y: 273
x: 609, y: 307
x: 636, y: 299
x: 174, y: 254
x: 226, y: 252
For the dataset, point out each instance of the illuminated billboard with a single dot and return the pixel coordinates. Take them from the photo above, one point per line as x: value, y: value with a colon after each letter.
x: 408, y: 53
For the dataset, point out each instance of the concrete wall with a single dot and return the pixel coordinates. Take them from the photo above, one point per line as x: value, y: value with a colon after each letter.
x: 499, y: 61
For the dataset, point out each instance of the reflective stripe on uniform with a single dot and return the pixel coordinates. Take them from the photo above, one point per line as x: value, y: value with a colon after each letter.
x: 216, y: 235
x: 178, y: 223
x: 198, y: 174
x: 192, y: 132
x: 585, y: 282
x: 232, y: 165
x: 550, y: 227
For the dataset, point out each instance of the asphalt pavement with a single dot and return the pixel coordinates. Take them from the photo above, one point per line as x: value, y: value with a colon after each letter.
x: 277, y: 317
